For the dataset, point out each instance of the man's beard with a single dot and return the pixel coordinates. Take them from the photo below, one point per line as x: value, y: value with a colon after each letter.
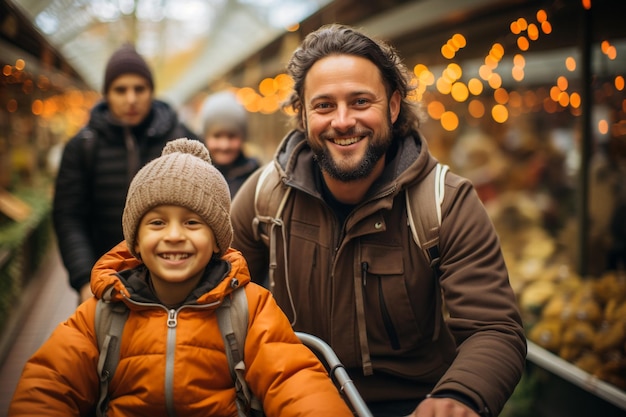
x: 376, y: 149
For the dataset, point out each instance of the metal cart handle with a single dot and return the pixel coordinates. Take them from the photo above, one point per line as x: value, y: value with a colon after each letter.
x: 337, y: 372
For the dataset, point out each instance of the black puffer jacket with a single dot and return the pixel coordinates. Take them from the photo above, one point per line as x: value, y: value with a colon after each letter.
x: 95, y: 172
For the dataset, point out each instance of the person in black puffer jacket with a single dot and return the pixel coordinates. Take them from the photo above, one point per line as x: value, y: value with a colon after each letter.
x: 125, y: 131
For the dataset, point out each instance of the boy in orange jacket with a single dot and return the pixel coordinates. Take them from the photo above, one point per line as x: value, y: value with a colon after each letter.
x: 172, y: 355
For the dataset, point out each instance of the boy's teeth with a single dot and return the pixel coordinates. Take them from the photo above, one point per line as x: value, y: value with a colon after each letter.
x: 175, y: 256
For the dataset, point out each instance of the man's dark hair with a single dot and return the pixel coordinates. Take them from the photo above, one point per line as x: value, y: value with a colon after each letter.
x: 336, y: 39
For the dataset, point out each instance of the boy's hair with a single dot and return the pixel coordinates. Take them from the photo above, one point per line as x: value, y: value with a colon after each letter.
x: 337, y: 39
x: 182, y: 176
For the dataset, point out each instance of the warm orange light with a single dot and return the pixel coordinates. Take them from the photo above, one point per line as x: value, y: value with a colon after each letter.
x: 515, y: 29
x: 517, y: 73
x: 574, y: 100
x: 459, y: 40
x: 546, y: 27
x: 37, y: 107
x: 522, y: 43
x: 499, y: 113
x: 476, y: 108
x: 562, y: 83
x: 519, y: 60
x: 522, y: 23
x: 427, y: 78
x: 419, y: 68
x: 564, y: 99
x: 586, y: 4
x: 611, y: 52
x: 501, y: 96
x: 449, y: 121
x: 533, y: 32
x: 20, y: 64
x: 484, y: 71
x: 455, y: 70
x: 603, y: 127
x: 554, y: 93
x: 570, y: 63
x: 447, y: 51
x: 267, y: 87
x: 459, y: 92
x: 497, y: 51
x: 435, y: 109
x: 541, y: 16
x: 443, y: 86
x: 475, y: 86
x: 604, y: 46
x: 619, y: 83
x: 495, y: 81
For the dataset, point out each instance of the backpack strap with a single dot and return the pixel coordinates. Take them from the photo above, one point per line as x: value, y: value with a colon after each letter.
x: 424, y: 220
x: 232, y: 316
x: 270, y: 198
x: 109, y: 325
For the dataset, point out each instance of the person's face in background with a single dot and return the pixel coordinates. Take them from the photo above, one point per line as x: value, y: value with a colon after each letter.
x: 224, y: 144
x: 130, y: 98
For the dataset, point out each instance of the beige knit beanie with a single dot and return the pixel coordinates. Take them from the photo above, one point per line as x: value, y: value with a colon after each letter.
x: 183, y: 176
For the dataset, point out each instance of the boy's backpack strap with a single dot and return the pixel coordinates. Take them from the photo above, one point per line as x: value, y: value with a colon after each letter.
x: 232, y: 316
x: 109, y: 325
x: 423, y: 205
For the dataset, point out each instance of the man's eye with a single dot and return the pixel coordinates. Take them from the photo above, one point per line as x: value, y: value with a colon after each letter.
x: 361, y: 101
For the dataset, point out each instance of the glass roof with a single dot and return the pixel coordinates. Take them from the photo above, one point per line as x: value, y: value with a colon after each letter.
x: 189, y: 43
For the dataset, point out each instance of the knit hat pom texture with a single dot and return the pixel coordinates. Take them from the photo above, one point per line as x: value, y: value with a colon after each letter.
x: 182, y: 176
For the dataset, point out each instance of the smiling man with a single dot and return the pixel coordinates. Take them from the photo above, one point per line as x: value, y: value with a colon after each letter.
x: 125, y: 131
x: 344, y: 266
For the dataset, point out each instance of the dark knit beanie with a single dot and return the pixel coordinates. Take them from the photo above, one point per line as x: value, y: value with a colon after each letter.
x: 183, y: 176
x: 126, y: 60
x: 223, y: 110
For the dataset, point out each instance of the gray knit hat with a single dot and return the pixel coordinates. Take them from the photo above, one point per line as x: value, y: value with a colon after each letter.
x: 183, y: 176
x: 224, y: 110
x: 126, y: 60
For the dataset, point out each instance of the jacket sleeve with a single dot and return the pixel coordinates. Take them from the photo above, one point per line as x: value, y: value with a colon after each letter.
x: 61, y: 378
x: 103, y: 272
x: 242, y: 216
x: 484, y: 317
x: 70, y: 214
x: 281, y: 371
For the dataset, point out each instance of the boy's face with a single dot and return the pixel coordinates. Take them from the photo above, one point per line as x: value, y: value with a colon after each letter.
x: 175, y: 244
x: 130, y: 99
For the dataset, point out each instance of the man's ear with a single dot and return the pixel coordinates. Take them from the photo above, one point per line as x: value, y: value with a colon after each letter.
x: 395, y: 102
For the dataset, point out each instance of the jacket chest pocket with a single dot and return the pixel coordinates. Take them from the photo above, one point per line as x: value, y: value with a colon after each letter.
x: 390, y: 313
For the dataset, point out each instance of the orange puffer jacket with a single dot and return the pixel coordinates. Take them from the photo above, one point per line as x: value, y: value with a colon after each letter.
x: 173, y: 362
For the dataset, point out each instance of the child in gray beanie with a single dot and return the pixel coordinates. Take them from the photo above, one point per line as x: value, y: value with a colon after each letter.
x: 225, y: 129
x: 172, y: 356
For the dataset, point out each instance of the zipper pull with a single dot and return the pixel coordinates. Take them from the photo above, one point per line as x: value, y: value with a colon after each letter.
x: 171, y: 319
x: 364, y: 268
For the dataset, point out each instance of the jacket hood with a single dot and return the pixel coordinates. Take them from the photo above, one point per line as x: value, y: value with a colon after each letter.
x: 408, y: 161
x: 118, y: 276
x: 160, y: 120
